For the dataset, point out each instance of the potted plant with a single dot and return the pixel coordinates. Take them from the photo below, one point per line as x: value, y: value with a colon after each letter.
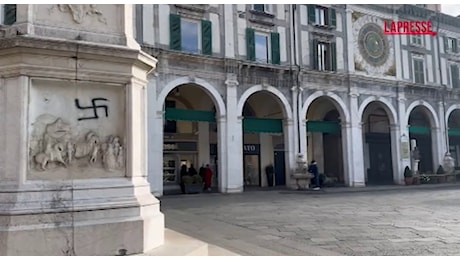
x: 408, y: 177
x: 192, y: 184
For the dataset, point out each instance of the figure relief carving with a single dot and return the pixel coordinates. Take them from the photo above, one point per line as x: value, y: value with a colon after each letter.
x: 55, y: 144
x: 80, y: 11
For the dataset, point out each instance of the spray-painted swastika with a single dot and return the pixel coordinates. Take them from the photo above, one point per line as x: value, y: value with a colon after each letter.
x: 94, y: 107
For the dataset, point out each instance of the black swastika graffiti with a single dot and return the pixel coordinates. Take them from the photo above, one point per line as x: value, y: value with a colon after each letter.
x: 94, y: 107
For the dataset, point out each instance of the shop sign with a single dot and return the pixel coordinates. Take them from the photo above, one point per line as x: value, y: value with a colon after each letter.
x: 251, y: 149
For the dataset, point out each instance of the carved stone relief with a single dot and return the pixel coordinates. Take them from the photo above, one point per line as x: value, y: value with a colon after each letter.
x: 56, y: 145
x: 80, y: 12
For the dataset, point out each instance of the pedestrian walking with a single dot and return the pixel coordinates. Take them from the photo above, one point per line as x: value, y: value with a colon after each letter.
x: 313, y: 169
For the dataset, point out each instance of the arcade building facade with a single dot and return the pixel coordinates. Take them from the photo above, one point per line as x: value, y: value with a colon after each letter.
x: 240, y: 87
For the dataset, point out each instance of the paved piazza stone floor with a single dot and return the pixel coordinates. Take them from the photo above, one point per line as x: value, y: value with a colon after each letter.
x: 344, y: 221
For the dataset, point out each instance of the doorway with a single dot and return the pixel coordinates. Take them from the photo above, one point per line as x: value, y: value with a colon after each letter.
x: 380, y: 170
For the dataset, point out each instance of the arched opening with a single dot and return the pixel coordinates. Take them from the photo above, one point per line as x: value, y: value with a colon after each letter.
x: 420, y: 134
x: 324, y: 139
x: 263, y: 140
x: 377, y: 145
x: 453, y: 124
x: 190, y: 135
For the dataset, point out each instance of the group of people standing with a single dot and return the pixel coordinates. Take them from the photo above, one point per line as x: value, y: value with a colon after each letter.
x: 205, y: 174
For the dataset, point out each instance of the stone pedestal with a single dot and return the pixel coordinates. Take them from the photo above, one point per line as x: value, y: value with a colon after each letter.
x: 73, y: 134
x: 301, y: 178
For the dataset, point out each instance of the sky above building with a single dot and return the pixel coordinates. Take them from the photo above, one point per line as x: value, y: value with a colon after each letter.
x: 450, y: 9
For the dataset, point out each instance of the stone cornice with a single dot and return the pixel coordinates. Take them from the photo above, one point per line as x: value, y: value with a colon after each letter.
x: 45, y: 57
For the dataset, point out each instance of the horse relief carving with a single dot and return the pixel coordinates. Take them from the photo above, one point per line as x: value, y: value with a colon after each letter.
x: 80, y: 11
x: 59, y: 144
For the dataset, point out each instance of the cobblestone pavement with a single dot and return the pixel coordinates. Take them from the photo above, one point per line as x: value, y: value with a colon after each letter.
x: 378, y: 222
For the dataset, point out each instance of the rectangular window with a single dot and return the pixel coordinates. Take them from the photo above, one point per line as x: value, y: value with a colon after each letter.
x: 264, y: 8
x: 262, y: 53
x: 417, y: 40
x: 454, y: 74
x: 193, y: 36
x: 419, y: 71
x: 190, y: 36
x: 7, y: 14
x: 324, y: 56
x: 320, y: 15
x: 450, y: 45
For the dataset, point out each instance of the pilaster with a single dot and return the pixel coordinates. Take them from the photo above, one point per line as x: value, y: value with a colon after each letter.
x: 233, y: 175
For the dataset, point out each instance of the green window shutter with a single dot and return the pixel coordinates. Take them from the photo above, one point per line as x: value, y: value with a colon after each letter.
x: 455, y: 76
x: 206, y: 37
x: 446, y: 46
x: 275, y: 42
x: 314, y: 54
x: 311, y: 13
x: 454, y: 46
x: 333, y: 56
x: 332, y: 17
x: 250, y: 44
x: 174, y: 32
x: 9, y: 12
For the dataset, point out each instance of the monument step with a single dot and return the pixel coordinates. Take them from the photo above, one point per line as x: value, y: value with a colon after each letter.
x: 178, y: 244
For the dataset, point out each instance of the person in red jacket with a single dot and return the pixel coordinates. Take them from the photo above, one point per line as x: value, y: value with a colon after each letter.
x: 207, y: 178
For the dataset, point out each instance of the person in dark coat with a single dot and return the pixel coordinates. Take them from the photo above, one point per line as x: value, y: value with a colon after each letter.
x: 183, y: 172
x: 270, y: 172
x: 192, y: 171
x: 202, y: 171
x: 313, y: 169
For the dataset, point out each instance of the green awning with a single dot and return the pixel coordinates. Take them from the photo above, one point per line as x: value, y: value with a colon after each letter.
x: 419, y: 129
x: 262, y: 125
x: 454, y: 131
x: 179, y: 114
x: 323, y: 127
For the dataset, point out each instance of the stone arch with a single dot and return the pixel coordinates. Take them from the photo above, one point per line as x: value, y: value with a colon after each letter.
x: 449, y: 111
x: 207, y: 87
x: 336, y: 100
x: 431, y: 115
x: 386, y: 105
x: 286, y: 107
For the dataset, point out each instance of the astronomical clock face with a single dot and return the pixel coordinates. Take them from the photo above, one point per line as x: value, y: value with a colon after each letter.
x: 373, y: 50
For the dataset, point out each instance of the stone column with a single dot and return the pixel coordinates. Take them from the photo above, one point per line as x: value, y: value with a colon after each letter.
x: 222, y: 172
x: 155, y: 138
x: 405, y: 149
x: 295, y: 116
x: 441, y: 136
x: 233, y: 175
x: 303, y: 137
x: 346, y: 144
x: 203, y: 143
x: 395, y: 134
x: 289, y: 148
x: 74, y: 180
x: 355, y: 149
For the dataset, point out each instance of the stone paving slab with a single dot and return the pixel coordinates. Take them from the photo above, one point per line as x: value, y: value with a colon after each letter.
x: 392, y: 222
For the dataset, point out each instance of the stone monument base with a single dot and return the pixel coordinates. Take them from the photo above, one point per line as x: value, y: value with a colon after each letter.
x: 79, y: 220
